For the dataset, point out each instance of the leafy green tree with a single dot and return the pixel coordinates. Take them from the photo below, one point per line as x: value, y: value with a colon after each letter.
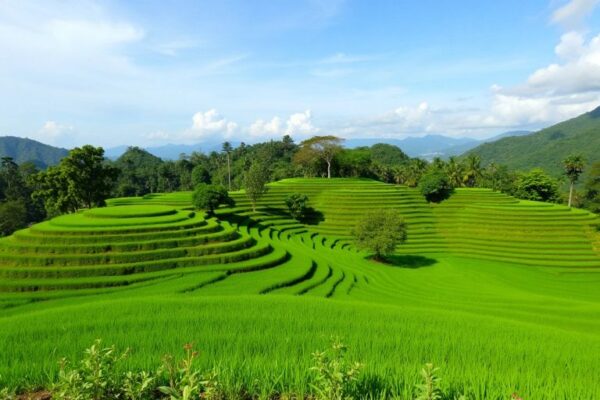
x: 13, y: 216
x: 210, y: 197
x: 537, y: 185
x: 255, y: 183
x: 573, y: 165
x: 200, y: 175
x: 498, y: 177
x: 380, y: 231
x: 591, y: 193
x: 297, y: 204
x: 89, y: 178
x: 82, y: 179
x: 323, y: 148
x: 435, y: 186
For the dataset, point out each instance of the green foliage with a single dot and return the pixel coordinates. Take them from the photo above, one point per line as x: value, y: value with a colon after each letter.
x: 139, y: 172
x: 573, y: 165
x: 200, y: 175
x: 318, y: 148
x: 537, y: 185
x: 435, y: 186
x: 95, y: 378
x: 255, y: 183
x: 297, y: 204
x: 210, y: 197
x: 388, y: 155
x: 334, y: 376
x: 429, y: 387
x: 380, y: 231
x: 591, y: 196
x: 472, y: 170
x: 13, y: 216
x: 82, y: 179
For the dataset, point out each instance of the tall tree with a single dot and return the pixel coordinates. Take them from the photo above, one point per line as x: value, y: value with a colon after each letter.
x: 82, y: 179
x: 227, y: 150
x: 255, y: 183
x: 473, y: 170
x: 591, y: 195
x: 454, y: 169
x: 573, y: 166
x: 323, y: 148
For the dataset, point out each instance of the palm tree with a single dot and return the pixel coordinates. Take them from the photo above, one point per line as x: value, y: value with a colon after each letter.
x: 573, y: 165
x: 414, y: 171
x: 454, y: 169
x: 473, y: 170
x: 227, y: 150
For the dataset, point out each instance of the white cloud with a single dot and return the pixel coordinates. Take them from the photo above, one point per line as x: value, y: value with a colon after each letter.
x: 271, y: 128
x: 56, y: 134
x: 209, y: 123
x: 300, y: 124
x: 572, y: 14
x: 158, y: 136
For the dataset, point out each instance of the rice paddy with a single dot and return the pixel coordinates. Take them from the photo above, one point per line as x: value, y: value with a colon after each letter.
x: 502, y: 294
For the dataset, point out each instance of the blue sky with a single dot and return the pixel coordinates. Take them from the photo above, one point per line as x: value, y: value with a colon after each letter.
x: 155, y: 72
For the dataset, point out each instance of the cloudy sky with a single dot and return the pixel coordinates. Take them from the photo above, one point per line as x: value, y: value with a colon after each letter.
x: 155, y: 72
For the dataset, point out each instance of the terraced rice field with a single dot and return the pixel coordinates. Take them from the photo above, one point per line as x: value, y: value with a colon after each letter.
x: 503, y: 295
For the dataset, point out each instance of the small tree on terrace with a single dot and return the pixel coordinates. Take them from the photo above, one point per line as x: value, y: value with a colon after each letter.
x: 297, y: 204
x: 536, y: 185
x: 435, y: 186
x: 255, y: 183
x: 573, y: 169
x: 210, y: 197
x: 380, y: 231
x: 323, y: 148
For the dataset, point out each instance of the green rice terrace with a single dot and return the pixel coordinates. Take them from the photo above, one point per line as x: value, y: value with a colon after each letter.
x: 503, y: 295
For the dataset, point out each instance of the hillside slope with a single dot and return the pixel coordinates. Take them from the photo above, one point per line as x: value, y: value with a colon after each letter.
x: 23, y: 150
x: 548, y: 147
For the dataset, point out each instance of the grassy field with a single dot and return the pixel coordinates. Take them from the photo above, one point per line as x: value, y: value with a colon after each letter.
x: 503, y: 295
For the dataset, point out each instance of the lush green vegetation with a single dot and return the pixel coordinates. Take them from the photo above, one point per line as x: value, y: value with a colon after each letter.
x: 502, y: 294
x: 547, y: 148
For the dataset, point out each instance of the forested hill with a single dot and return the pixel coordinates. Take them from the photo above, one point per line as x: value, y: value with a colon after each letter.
x: 547, y: 148
x: 22, y: 150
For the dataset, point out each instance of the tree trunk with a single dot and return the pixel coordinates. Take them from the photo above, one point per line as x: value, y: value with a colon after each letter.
x: 570, y: 194
x: 229, y: 171
x: 328, y: 169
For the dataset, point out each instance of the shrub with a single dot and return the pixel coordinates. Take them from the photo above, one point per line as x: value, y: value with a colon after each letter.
x: 537, y: 185
x: 297, y: 205
x: 95, y: 378
x: 209, y: 197
x: 334, y: 375
x: 435, y: 186
x: 380, y: 231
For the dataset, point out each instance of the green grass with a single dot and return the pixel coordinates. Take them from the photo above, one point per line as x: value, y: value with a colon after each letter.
x: 503, y: 295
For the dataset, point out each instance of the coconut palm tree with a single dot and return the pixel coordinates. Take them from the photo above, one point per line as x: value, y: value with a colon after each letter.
x: 455, y: 170
x: 473, y: 171
x: 227, y: 150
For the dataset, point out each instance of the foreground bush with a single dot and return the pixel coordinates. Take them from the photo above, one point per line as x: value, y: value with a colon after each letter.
x: 96, y: 377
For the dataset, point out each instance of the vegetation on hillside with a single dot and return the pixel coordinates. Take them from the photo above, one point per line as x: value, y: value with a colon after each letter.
x: 547, y: 148
x: 22, y: 150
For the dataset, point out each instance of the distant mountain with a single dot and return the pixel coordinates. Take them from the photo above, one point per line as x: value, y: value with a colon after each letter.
x: 170, y: 151
x: 23, y: 150
x: 548, y: 147
x: 427, y: 147
x: 460, y: 149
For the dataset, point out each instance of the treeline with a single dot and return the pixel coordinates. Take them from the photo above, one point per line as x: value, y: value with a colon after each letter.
x: 85, y: 178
